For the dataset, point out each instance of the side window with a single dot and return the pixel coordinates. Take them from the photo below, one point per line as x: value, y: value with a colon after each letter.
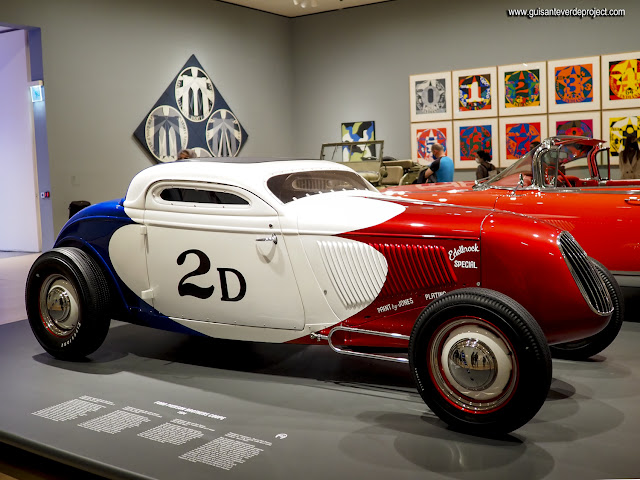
x: 195, y: 195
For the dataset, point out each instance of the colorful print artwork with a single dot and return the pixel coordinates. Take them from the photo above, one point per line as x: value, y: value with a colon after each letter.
x: 620, y: 81
x: 583, y: 128
x: 624, y: 80
x: 519, y: 137
x: 358, y: 132
x: 619, y: 129
x: 474, y: 93
x: 427, y: 137
x: 574, y: 84
x: 522, y: 88
x: 472, y: 135
x: 474, y: 138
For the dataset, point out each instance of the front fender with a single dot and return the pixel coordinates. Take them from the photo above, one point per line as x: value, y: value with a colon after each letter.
x: 521, y: 258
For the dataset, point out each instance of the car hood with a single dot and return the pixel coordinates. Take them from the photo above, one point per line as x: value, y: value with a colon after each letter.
x: 460, y: 193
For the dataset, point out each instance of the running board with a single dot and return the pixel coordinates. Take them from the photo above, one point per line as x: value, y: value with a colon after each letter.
x: 388, y: 358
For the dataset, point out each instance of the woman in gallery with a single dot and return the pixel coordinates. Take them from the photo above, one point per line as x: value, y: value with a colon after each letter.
x: 630, y: 158
x: 484, y: 164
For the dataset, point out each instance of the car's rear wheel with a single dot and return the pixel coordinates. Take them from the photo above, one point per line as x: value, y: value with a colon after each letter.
x: 480, y: 361
x: 590, y: 346
x: 67, y: 300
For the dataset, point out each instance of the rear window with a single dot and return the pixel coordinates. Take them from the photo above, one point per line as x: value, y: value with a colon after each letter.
x: 293, y: 186
x: 195, y: 195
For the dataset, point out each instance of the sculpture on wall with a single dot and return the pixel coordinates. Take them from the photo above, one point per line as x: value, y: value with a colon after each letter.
x: 191, y: 114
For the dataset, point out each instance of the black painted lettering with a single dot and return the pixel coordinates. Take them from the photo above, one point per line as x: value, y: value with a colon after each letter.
x: 224, y: 286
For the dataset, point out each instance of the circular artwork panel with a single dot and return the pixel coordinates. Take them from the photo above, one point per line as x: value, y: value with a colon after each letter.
x: 195, y: 94
x: 166, y: 133
x: 224, y: 136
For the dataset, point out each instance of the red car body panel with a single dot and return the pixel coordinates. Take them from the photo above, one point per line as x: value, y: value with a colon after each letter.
x: 477, y: 248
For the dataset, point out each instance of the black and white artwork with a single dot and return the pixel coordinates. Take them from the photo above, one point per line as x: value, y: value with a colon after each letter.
x: 191, y: 114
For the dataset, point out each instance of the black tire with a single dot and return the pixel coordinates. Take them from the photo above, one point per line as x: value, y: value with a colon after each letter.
x: 590, y: 346
x: 67, y: 300
x: 498, y: 332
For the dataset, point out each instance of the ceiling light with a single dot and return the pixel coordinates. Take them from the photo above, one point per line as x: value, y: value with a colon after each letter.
x: 305, y: 3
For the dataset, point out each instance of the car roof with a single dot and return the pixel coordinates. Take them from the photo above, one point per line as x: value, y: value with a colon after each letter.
x: 248, y: 173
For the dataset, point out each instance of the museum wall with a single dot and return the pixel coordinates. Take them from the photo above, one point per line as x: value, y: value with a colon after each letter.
x: 18, y: 194
x: 354, y: 64
x: 106, y: 62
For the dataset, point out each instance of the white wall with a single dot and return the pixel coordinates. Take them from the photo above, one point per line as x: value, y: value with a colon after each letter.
x: 19, y: 216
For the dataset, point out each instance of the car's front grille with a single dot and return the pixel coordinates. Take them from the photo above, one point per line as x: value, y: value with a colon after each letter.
x: 585, y: 274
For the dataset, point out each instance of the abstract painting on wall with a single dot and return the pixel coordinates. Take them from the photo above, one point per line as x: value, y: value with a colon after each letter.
x: 191, y: 114
x: 522, y: 89
x: 358, y: 132
x: 617, y: 125
x: 469, y: 136
x: 517, y: 134
x: 475, y: 93
x: 430, y: 96
x: 584, y: 124
x: 621, y: 80
x: 424, y: 135
x: 574, y: 84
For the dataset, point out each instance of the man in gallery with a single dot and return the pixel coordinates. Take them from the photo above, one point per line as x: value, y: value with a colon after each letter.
x: 441, y: 168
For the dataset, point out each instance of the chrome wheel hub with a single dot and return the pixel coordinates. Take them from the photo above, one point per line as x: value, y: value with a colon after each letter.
x: 472, y: 364
x: 59, y: 309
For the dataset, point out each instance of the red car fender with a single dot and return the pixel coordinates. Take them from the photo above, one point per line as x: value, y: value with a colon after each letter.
x: 540, y: 279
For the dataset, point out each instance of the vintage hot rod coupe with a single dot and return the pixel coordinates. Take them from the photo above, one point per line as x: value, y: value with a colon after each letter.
x: 307, y: 252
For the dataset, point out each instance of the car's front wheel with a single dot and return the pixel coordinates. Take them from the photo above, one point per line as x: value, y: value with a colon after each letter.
x: 67, y: 300
x: 480, y: 361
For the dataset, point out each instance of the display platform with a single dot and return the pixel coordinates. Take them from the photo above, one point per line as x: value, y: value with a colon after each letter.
x: 153, y: 404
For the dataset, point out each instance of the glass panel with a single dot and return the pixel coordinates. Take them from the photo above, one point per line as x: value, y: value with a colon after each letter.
x: 192, y: 195
x: 293, y: 186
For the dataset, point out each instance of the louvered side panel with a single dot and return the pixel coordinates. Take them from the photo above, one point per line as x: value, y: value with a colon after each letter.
x: 356, y: 271
x: 415, y: 267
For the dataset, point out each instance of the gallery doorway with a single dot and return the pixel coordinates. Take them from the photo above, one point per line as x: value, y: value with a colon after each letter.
x: 25, y: 204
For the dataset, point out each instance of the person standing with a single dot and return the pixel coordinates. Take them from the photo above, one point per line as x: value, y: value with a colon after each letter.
x: 441, y: 168
x: 484, y: 164
x: 630, y: 158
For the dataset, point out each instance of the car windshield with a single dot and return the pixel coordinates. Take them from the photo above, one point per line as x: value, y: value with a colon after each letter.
x: 294, y: 186
x: 564, y: 159
x: 511, y: 175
